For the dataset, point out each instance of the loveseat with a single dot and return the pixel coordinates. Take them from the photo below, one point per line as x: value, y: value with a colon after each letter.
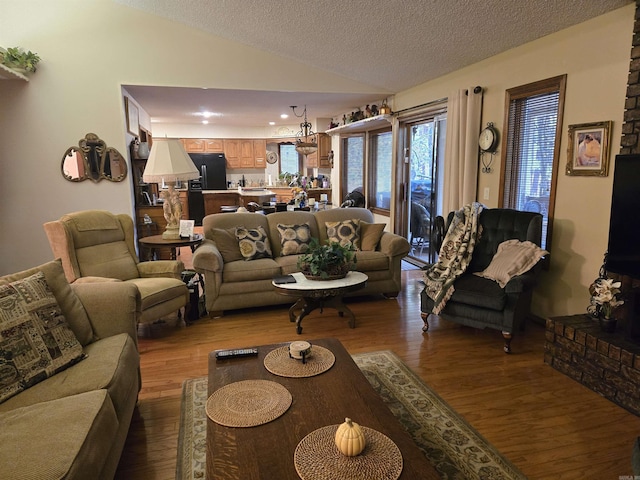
x: 232, y: 282
x: 69, y: 374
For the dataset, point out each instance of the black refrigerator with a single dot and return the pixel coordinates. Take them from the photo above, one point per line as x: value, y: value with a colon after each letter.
x: 213, y: 176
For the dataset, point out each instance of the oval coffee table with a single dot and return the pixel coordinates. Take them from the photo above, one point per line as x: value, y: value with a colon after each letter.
x: 313, y: 294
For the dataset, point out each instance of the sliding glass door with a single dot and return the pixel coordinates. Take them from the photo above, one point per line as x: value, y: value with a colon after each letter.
x: 423, y: 152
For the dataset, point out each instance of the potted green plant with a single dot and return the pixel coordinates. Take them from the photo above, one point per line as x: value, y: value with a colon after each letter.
x: 17, y: 59
x: 327, y: 262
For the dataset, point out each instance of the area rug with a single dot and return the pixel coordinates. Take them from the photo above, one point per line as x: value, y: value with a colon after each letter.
x: 452, y: 446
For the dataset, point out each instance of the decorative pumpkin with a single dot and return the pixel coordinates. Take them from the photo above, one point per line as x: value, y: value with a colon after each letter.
x: 350, y: 438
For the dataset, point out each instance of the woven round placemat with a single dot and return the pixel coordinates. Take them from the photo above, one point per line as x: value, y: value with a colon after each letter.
x: 317, y: 458
x: 248, y: 403
x: 280, y: 363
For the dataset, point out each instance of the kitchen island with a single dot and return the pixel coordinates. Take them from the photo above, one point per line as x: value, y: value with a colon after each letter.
x: 214, y: 200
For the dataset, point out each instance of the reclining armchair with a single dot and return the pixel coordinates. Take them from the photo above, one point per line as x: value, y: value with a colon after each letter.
x: 481, y: 302
x: 98, y: 246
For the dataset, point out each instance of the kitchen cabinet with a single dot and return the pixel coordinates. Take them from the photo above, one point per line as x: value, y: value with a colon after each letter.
x: 203, y: 145
x: 232, y: 153
x: 260, y: 153
x: 321, y: 157
x: 246, y: 154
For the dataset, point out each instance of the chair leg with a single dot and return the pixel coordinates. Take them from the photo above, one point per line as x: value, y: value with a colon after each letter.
x: 425, y: 319
x: 507, y: 341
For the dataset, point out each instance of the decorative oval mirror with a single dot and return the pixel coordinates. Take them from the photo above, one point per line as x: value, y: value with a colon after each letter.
x: 93, y: 160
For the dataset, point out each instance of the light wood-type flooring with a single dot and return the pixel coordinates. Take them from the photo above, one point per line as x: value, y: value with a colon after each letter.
x: 548, y: 425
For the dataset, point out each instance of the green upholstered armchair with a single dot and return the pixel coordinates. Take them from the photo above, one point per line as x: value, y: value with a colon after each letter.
x: 480, y: 302
x: 98, y: 246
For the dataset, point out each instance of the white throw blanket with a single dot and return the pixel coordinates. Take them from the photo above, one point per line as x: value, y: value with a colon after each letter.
x: 455, y: 255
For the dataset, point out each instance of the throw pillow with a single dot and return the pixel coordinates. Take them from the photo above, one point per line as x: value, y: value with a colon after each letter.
x: 512, y: 258
x: 345, y: 232
x: 227, y: 243
x: 35, y: 340
x: 370, y: 235
x: 253, y: 243
x: 294, y: 239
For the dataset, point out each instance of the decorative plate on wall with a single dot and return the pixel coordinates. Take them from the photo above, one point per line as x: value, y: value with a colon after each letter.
x: 272, y: 157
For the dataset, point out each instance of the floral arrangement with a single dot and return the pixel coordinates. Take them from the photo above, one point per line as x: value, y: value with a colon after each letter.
x: 328, y: 261
x: 300, y: 195
x: 604, y: 297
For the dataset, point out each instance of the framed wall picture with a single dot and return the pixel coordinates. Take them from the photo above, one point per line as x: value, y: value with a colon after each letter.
x: 588, y: 152
x: 131, y: 112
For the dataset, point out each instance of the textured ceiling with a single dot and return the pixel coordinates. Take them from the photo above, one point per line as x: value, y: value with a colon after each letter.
x: 392, y: 44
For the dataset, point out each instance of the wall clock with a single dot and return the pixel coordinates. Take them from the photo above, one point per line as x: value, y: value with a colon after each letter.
x: 488, y: 139
x: 272, y: 157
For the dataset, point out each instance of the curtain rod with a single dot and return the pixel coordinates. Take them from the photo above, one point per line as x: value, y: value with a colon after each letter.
x: 476, y: 89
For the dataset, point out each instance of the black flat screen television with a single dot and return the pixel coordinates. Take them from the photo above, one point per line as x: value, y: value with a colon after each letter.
x: 624, y: 226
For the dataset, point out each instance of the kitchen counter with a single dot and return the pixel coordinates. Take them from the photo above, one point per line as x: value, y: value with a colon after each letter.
x: 214, y: 200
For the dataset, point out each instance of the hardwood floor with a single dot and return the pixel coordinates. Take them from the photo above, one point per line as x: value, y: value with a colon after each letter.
x: 548, y: 425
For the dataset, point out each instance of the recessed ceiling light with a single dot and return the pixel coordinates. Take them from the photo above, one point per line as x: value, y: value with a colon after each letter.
x: 272, y: 123
x: 284, y: 115
x: 207, y: 114
x: 205, y: 122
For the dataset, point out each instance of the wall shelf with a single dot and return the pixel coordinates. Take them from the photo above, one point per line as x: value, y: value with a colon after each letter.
x: 371, y: 123
x: 7, y: 74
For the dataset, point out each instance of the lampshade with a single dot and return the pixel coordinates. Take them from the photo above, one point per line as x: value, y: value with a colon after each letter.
x: 168, y: 161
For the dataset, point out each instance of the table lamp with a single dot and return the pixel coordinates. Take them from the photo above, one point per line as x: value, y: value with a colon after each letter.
x: 169, y: 162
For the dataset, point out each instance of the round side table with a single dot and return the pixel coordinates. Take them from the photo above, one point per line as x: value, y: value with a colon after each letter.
x: 155, y: 242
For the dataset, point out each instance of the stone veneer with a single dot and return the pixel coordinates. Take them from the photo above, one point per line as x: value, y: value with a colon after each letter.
x: 630, y: 142
x: 607, y: 363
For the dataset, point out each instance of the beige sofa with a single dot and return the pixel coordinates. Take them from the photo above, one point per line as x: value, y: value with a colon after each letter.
x: 240, y: 283
x: 74, y: 424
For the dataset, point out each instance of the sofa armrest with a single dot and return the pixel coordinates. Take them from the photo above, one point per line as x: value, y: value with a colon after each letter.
x: 161, y: 268
x: 394, y: 245
x: 112, y: 307
x: 207, y: 257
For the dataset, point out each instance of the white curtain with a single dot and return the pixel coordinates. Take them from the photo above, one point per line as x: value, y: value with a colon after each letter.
x: 461, y: 149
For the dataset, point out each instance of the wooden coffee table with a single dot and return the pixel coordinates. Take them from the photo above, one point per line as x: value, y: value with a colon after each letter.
x: 314, y: 294
x: 267, y: 451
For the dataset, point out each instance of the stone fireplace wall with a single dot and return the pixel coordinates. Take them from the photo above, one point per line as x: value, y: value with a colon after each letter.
x: 607, y: 363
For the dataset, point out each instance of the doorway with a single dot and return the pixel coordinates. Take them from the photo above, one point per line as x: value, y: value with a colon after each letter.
x: 423, y: 151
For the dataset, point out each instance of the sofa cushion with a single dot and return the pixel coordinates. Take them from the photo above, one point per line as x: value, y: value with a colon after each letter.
x: 345, y: 232
x: 479, y: 292
x: 154, y: 291
x: 70, y: 304
x: 369, y: 261
x: 370, y: 235
x: 253, y: 243
x: 241, y: 271
x: 63, y: 438
x: 111, y: 364
x: 294, y: 239
x: 35, y: 340
x: 227, y: 243
x: 512, y: 258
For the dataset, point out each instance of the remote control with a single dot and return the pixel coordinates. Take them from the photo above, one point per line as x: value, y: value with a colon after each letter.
x: 239, y: 352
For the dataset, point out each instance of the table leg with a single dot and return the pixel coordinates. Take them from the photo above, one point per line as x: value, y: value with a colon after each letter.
x: 307, y: 305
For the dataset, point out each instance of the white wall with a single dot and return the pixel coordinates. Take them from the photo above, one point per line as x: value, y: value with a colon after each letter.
x: 595, y: 56
x: 90, y: 48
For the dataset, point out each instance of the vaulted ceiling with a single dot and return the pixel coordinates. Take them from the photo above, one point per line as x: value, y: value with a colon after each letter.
x: 391, y: 45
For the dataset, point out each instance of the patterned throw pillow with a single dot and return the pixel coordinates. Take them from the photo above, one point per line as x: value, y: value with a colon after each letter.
x: 370, y: 235
x: 253, y: 243
x: 345, y: 232
x: 294, y: 238
x: 35, y: 340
